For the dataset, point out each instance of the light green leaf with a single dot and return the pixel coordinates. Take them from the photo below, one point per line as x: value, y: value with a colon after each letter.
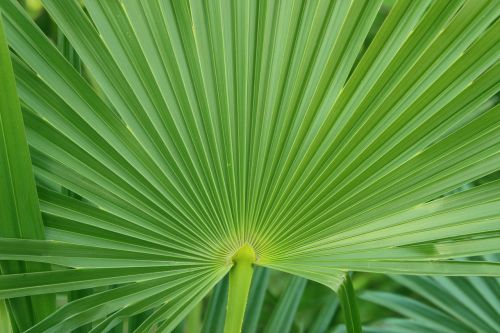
x: 19, y: 210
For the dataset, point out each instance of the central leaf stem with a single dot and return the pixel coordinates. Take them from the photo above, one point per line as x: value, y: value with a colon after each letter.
x: 240, y: 278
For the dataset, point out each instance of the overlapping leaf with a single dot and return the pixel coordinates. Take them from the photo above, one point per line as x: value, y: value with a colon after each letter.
x: 458, y: 304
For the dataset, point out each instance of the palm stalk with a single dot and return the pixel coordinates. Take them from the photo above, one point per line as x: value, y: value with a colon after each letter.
x: 240, y: 279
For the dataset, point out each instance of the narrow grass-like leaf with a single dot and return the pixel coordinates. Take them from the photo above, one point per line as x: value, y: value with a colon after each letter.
x: 215, y: 313
x: 347, y: 298
x: 282, y: 318
x: 256, y: 297
x: 19, y: 209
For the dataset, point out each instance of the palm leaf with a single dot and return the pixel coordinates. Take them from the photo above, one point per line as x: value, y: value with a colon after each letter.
x: 283, y: 315
x: 212, y: 126
x: 458, y: 304
x: 19, y: 210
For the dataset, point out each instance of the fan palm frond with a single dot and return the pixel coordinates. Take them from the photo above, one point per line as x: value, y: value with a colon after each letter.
x: 209, y: 127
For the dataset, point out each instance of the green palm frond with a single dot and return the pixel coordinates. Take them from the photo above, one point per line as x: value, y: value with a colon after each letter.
x: 457, y: 304
x: 197, y: 128
x: 19, y: 213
